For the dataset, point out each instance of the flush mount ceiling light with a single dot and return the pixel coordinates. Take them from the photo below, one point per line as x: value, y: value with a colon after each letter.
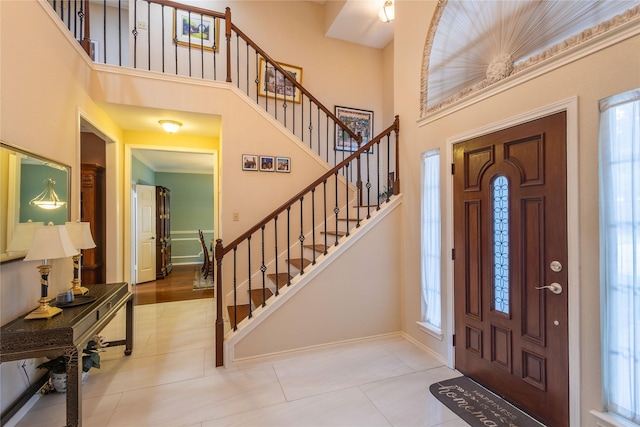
x: 387, y: 14
x: 170, y: 126
x: 48, y: 199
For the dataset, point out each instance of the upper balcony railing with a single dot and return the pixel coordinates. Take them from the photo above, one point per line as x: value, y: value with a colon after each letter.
x: 183, y: 40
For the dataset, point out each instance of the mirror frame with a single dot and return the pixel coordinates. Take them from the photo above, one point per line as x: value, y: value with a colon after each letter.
x: 4, y: 256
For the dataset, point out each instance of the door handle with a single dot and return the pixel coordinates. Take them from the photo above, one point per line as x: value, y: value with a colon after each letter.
x: 556, y: 288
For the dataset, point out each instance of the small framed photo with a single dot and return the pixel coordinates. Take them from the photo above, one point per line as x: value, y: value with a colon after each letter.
x: 359, y: 121
x: 249, y: 162
x: 283, y: 164
x: 273, y: 84
x: 196, y: 30
x: 267, y: 164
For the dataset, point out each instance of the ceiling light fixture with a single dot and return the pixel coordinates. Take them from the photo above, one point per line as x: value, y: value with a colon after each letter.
x: 387, y: 13
x: 170, y: 126
x: 48, y: 199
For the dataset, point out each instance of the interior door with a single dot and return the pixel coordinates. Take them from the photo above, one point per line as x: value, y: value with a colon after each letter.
x: 510, y: 265
x: 146, y: 233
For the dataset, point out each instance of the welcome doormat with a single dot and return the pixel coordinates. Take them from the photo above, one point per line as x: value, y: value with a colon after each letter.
x: 478, y: 406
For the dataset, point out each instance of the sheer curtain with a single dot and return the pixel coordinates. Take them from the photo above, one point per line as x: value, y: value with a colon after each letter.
x: 620, y: 252
x: 430, y: 227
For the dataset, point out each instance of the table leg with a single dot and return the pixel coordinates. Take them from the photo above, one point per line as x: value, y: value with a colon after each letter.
x: 129, y: 338
x: 74, y: 384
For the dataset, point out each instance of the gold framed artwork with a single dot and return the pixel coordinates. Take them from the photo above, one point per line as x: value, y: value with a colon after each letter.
x: 196, y: 30
x: 273, y: 84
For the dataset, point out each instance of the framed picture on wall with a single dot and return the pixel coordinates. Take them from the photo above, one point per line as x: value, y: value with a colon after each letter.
x: 267, y: 164
x: 249, y: 162
x: 273, y: 84
x: 283, y: 164
x: 196, y: 30
x: 358, y: 121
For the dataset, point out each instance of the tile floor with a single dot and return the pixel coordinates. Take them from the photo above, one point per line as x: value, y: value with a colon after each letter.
x: 170, y: 380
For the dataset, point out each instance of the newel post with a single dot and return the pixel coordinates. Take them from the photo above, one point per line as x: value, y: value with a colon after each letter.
x: 396, y: 186
x: 227, y: 33
x: 85, y: 19
x: 219, y: 253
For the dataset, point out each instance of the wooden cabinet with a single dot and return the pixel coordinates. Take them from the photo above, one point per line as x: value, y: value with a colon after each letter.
x: 163, y: 232
x: 92, y: 210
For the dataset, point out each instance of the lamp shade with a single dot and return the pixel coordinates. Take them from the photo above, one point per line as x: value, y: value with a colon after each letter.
x: 22, y: 236
x: 50, y: 242
x: 80, y: 234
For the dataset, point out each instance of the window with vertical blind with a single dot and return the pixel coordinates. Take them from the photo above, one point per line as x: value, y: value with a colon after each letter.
x: 430, y: 243
x: 620, y: 252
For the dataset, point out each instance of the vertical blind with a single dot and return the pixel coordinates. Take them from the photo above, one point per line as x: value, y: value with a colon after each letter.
x: 619, y: 158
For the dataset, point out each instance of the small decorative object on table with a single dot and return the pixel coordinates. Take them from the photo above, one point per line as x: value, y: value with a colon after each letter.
x: 58, y: 366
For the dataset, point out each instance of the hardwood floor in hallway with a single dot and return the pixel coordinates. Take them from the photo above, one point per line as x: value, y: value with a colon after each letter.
x: 177, y: 286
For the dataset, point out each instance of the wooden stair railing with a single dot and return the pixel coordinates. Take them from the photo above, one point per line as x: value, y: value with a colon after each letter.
x: 244, y: 62
x: 308, y: 115
x: 260, y: 295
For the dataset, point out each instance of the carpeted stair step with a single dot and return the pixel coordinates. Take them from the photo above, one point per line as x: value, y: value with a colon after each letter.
x: 299, y: 263
x: 242, y: 310
x: 258, y: 297
x: 282, y: 279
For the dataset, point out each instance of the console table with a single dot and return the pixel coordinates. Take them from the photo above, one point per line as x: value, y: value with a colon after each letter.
x: 68, y: 333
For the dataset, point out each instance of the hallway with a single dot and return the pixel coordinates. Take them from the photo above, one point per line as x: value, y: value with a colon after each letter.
x: 170, y: 380
x: 177, y: 286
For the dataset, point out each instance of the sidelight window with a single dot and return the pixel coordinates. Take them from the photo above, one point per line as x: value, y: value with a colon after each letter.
x: 620, y: 252
x: 430, y: 229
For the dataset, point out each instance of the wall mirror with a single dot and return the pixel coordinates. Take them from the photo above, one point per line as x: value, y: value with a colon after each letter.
x: 33, y: 190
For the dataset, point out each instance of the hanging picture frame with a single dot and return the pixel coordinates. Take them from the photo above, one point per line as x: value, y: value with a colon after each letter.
x: 267, y: 164
x: 358, y: 121
x: 249, y: 162
x: 273, y: 84
x: 196, y: 30
x: 283, y: 164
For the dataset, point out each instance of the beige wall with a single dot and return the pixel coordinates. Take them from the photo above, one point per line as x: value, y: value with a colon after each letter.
x: 356, y: 296
x: 47, y: 85
x: 610, y: 71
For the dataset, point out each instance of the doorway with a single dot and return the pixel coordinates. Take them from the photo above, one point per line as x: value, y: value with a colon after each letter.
x: 93, y: 205
x: 190, y: 176
x: 510, y: 268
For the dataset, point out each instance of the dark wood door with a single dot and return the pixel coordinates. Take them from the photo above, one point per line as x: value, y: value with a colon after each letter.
x: 510, y: 222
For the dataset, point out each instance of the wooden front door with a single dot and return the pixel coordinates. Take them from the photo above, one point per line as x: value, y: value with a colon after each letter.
x: 510, y: 268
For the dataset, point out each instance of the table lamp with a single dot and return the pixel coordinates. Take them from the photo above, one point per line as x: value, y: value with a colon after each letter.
x: 22, y: 236
x: 49, y: 242
x: 80, y: 234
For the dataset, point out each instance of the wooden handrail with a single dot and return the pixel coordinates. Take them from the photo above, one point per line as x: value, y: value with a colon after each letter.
x: 299, y: 86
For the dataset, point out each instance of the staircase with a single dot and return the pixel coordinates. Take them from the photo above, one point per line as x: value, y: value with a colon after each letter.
x: 313, y: 253
x: 307, y: 228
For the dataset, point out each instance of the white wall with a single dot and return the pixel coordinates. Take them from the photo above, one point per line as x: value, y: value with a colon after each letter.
x: 613, y: 70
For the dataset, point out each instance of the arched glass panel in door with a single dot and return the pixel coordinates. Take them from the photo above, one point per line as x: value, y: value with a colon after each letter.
x: 500, y: 208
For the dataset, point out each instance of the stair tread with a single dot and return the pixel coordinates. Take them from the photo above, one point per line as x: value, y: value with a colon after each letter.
x: 318, y: 247
x: 243, y: 311
x: 282, y: 279
x: 334, y: 233
x: 299, y: 262
x: 258, y: 297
